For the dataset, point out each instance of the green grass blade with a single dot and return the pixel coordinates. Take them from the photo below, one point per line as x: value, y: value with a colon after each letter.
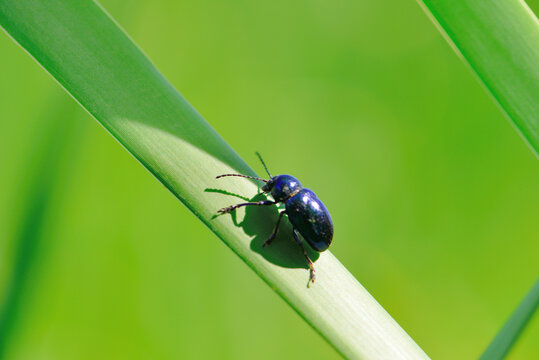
x: 26, y: 240
x: 502, y: 343
x: 500, y: 41
x: 53, y: 152
x: 88, y: 54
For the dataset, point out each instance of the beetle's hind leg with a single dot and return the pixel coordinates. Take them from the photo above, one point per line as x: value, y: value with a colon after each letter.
x: 274, y: 233
x: 312, y: 275
x: 233, y: 207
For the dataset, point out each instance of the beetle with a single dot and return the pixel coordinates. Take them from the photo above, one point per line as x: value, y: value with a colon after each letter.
x: 307, y: 214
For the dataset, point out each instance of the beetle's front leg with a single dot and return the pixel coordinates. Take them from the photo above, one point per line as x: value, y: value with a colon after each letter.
x: 233, y: 207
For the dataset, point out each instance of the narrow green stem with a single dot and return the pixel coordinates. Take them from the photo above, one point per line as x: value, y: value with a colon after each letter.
x: 508, y: 335
x: 500, y: 42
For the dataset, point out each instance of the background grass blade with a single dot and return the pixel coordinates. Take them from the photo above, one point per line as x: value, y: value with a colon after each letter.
x: 53, y: 153
x: 500, y: 41
x: 87, y: 53
x: 502, y: 343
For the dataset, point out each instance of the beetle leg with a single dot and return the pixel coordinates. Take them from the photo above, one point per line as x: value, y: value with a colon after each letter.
x: 233, y: 207
x: 274, y: 234
x: 312, y: 276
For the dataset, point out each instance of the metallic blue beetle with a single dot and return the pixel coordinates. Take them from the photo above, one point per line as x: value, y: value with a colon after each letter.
x: 305, y: 211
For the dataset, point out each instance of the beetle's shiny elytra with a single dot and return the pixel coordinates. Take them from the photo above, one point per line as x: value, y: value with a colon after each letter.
x: 307, y: 214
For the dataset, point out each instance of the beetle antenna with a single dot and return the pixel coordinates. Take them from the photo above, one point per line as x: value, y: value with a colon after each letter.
x: 244, y: 176
x: 263, y: 163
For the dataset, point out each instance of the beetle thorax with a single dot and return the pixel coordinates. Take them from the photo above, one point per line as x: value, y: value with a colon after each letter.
x: 282, y: 187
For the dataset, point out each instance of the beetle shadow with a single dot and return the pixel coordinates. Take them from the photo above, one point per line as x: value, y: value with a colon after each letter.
x: 259, y: 222
x: 224, y: 192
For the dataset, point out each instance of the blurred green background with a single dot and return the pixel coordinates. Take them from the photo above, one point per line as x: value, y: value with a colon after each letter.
x: 434, y: 195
